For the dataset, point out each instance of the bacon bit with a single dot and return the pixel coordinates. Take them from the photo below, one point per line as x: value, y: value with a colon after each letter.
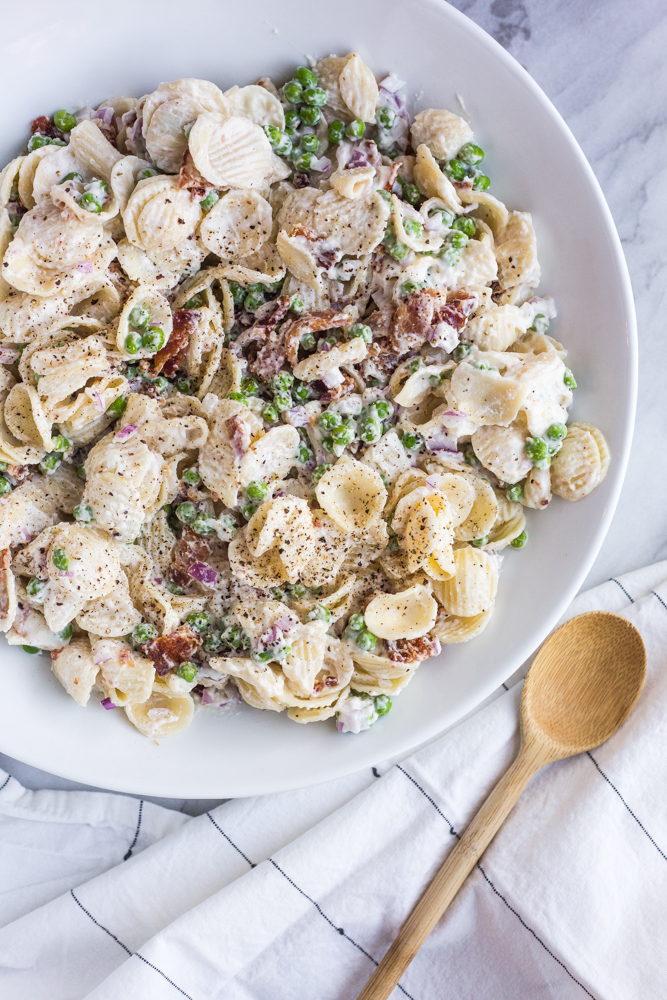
x: 108, y: 129
x: 301, y: 181
x: 238, y: 432
x: 410, y: 650
x: 260, y: 329
x: 189, y: 549
x: 330, y: 681
x: 5, y: 558
x: 18, y: 472
x: 391, y: 180
x: 45, y: 126
x: 170, y: 650
x: 189, y: 176
x: 324, y: 256
x: 169, y: 358
x: 414, y: 318
x: 315, y: 322
x: 379, y: 358
x: 347, y: 386
x: 55, y: 653
x: 271, y: 356
x: 456, y: 310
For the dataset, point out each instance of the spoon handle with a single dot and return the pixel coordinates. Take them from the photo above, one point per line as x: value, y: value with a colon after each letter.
x: 451, y: 876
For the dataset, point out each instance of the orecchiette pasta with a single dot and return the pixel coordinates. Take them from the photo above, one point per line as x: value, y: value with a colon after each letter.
x: 276, y: 396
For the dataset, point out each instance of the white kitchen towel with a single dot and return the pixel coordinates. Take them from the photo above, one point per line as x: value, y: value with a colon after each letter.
x: 298, y: 895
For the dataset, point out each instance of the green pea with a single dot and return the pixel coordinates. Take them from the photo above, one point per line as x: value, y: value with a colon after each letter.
x: 88, y: 201
x: 296, y: 305
x: 303, y: 161
x: 411, y: 194
x: 480, y: 542
x: 519, y: 541
x: 384, y: 195
x: 411, y: 441
x: 30, y: 649
x: 449, y: 255
x: 301, y: 392
x: 307, y: 341
x: 330, y: 419
x: 415, y: 365
x: 383, y: 408
x: 191, y: 476
x: 305, y: 77
x: 60, y: 560
x: 385, y: 117
x: 248, y: 510
x: 366, y: 641
x: 72, y: 176
x: 3, y: 466
x: 238, y: 292
x: 270, y: 414
x: 315, y: 96
x: 309, y: 115
x: 456, y: 170
x: 139, y: 317
x: 466, y: 224
x: 296, y: 590
x: 257, y: 491
x: 133, y: 343
x: 36, y: 141
x: 447, y: 216
x: 481, y: 182
x: 319, y: 472
x: 383, y: 704
x: 202, y: 524
x: 161, y: 383
x: 207, y: 203
x: 240, y: 397
x: 336, y: 131
x: 36, y: 588
x: 309, y: 143
x: 83, y: 512
x: 249, y: 385
x: 456, y: 239
x: 361, y: 330
x: 356, y: 623
x: 213, y: 641
x: 514, y: 492
x: 153, y: 339
x: 282, y: 400
x: 319, y: 614
x: 470, y: 153
x: 198, y: 620
x: 305, y: 454
x: 264, y: 656
x: 186, y: 512
x: 235, y: 637
x: 557, y: 432
x: 293, y: 92
x: 540, y: 323
x: 64, y: 120
x: 183, y: 385
x: 409, y: 287
x: 61, y: 443
x: 370, y: 431
x: 117, y: 408
x: 143, y: 633
x: 5, y: 486
x: 399, y: 251
x: 462, y: 351
x: 537, y: 451
x: 355, y: 129
x: 148, y: 172
x: 569, y: 379
x: 413, y: 227
x: 187, y: 671
x: 343, y: 435
x: 81, y: 471
x: 50, y: 463
x: 281, y: 381
x: 292, y: 119
x: 253, y: 301
x: 173, y: 588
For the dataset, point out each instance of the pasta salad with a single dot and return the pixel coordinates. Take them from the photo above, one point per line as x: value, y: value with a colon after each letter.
x: 277, y: 391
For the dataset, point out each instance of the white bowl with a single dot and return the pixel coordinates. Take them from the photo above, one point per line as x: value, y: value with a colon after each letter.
x: 71, y: 55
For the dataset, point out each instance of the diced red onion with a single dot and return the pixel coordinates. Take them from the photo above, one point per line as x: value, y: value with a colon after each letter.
x: 322, y: 165
x: 204, y: 573
x: 206, y: 698
x: 435, y: 645
x: 323, y: 347
x: 441, y: 442
x: 297, y: 416
x: 85, y: 114
x: 107, y: 703
x: 107, y: 115
x: 102, y: 657
x: 343, y: 154
x: 129, y: 118
x: 391, y: 84
x: 8, y: 355
x: 333, y: 378
x: 284, y: 623
x: 68, y: 573
x: 125, y: 432
x: 99, y: 402
x: 84, y: 267
x: 456, y: 413
x: 432, y: 481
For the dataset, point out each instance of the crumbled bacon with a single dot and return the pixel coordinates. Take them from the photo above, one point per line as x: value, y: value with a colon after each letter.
x: 108, y: 129
x: 380, y: 359
x: 329, y: 681
x: 238, y: 432
x: 45, y: 126
x: 414, y: 319
x: 189, y: 177
x: 168, y: 359
x: 170, y: 650
x: 314, y: 322
x: 18, y: 473
x: 5, y: 575
x: 270, y: 358
x: 456, y: 310
x: 347, y: 386
x: 325, y: 256
x: 189, y: 549
x: 301, y: 181
x: 411, y: 650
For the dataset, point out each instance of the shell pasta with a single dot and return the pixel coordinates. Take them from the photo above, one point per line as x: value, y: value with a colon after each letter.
x: 277, y: 396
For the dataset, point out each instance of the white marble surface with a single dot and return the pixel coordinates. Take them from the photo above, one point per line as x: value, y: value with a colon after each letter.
x: 602, y: 63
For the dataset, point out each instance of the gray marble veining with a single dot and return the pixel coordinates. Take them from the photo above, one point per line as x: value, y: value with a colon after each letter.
x: 602, y: 63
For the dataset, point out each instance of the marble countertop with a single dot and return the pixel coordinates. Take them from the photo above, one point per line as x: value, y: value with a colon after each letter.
x: 603, y: 66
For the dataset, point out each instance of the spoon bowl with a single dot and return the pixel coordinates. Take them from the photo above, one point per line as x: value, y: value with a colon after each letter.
x: 583, y: 683
x: 581, y: 687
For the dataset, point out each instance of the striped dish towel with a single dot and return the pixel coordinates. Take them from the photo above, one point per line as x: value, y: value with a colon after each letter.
x: 298, y: 895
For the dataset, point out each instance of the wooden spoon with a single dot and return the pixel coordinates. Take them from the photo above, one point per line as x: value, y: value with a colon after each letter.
x: 581, y: 687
